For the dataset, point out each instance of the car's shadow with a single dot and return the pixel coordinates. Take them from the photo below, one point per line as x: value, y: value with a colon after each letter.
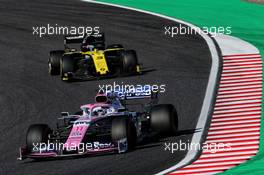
x: 143, y: 72
x: 155, y: 140
x: 158, y: 140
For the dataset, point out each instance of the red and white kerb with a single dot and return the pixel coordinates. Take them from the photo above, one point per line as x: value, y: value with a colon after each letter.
x: 236, y: 117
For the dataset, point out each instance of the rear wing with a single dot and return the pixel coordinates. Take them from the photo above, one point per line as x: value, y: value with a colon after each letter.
x: 81, y: 39
x: 70, y: 39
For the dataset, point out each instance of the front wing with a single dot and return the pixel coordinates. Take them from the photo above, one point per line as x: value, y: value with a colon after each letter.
x: 119, y: 147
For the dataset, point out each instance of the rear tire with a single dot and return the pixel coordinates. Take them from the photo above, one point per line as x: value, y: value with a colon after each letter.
x: 164, y: 119
x: 37, y: 134
x: 129, y: 61
x: 54, y: 62
x: 66, y: 65
x: 124, y: 128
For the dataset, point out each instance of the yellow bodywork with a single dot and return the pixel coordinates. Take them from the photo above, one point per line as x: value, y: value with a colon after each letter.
x: 99, y: 59
x: 99, y: 62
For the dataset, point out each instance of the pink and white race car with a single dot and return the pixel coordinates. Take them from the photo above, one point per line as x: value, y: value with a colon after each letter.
x: 106, y: 126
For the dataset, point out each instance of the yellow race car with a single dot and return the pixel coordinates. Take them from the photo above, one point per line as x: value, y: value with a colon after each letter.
x: 93, y: 60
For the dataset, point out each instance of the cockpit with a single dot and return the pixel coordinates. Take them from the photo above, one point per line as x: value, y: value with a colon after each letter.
x: 98, y: 111
x: 91, y: 42
x: 101, y: 111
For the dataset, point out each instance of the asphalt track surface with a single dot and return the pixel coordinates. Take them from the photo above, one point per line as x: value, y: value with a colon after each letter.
x: 29, y: 95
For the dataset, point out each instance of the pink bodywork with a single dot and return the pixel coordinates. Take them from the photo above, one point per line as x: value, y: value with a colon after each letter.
x: 79, y: 130
x: 76, y: 135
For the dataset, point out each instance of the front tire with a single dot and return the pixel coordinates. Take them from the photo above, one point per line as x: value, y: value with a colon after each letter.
x: 37, y: 134
x: 124, y: 128
x: 66, y: 65
x: 54, y: 62
x: 129, y: 62
x: 164, y: 119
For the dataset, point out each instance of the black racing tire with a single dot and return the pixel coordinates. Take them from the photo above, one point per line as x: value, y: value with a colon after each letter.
x: 66, y: 65
x: 54, y: 62
x: 37, y: 134
x: 164, y: 119
x: 129, y: 61
x: 124, y: 128
x: 115, y: 46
